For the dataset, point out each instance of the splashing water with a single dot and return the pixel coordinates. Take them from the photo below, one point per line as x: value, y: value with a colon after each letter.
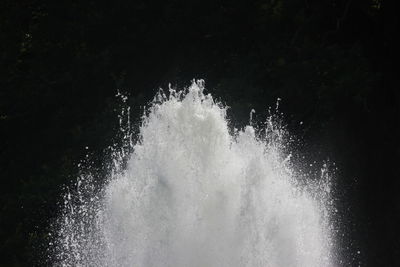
x: 193, y: 194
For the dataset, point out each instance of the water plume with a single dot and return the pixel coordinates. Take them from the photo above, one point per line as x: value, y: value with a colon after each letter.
x: 195, y: 193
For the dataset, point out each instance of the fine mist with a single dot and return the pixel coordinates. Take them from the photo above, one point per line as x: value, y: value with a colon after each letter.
x: 195, y: 193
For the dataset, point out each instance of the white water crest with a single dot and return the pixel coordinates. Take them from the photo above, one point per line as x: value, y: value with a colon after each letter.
x: 195, y: 194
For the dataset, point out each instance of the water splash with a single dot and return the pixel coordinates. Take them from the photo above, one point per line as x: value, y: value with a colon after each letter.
x: 192, y: 194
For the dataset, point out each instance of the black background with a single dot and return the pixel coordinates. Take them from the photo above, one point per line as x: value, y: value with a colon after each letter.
x: 331, y: 63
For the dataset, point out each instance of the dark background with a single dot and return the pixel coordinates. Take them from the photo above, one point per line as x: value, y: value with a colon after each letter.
x: 331, y: 63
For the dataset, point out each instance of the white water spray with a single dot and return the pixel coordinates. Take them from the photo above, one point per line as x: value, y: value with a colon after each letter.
x: 195, y: 195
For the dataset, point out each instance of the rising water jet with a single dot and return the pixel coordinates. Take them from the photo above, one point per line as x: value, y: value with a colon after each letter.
x: 195, y: 194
